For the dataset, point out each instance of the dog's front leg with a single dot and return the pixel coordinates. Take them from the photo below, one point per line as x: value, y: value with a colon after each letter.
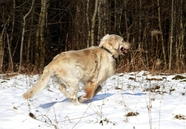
x: 99, y: 88
x: 91, y: 90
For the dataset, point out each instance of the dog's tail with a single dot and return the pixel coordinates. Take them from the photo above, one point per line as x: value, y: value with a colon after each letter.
x: 41, y: 83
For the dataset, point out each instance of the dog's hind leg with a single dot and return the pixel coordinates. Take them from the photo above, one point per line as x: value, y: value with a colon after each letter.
x: 91, y: 90
x: 62, y: 88
x: 66, y: 82
x: 72, y: 95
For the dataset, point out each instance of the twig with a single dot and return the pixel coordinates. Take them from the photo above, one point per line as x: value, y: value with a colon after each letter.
x: 82, y: 116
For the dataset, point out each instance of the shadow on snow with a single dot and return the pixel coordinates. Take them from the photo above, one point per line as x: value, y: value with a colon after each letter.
x: 137, y: 94
x: 98, y: 97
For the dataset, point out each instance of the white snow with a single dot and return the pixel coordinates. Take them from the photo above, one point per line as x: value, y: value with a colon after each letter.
x: 136, y: 100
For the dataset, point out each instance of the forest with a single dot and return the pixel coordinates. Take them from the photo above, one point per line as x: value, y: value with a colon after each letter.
x: 34, y: 31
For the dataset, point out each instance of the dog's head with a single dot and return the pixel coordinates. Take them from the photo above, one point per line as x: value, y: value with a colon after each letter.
x: 115, y: 44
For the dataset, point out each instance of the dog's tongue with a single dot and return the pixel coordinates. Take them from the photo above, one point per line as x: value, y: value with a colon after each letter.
x: 124, y: 50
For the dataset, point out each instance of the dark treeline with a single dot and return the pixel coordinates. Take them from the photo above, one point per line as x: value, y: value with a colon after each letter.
x: 34, y: 31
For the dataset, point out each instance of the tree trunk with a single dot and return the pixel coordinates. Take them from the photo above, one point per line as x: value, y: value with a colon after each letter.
x: 99, y: 20
x: 93, y: 22
x: 13, y: 21
x: 181, y: 36
x: 120, y: 19
x: 40, y: 42
x: 22, y: 36
x: 161, y: 36
x: 29, y: 49
x: 140, y: 25
x: 1, y: 53
x: 105, y: 16
x: 176, y: 32
x: 126, y: 25
x: 2, y: 47
x: 10, y: 64
x: 171, y: 35
x: 115, y: 15
x: 88, y: 25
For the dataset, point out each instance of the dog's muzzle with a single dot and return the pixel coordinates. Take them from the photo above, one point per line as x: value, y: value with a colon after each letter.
x: 123, y: 50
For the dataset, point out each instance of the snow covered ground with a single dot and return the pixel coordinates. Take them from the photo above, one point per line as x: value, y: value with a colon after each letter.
x: 136, y: 100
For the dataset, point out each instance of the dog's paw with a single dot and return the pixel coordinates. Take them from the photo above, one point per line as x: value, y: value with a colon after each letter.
x: 82, y: 99
x: 75, y: 101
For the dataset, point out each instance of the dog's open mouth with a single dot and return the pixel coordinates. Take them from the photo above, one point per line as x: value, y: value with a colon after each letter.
x: 123, y: 50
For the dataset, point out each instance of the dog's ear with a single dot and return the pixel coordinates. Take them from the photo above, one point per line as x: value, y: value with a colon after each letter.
x: 102, y: 42
x: 109, y: 40
x: 115, y: 42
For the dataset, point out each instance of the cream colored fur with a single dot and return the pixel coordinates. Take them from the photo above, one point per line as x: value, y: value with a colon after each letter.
x: 92, y: 66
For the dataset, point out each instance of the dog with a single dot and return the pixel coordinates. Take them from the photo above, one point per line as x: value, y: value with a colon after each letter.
x: 91, y: 66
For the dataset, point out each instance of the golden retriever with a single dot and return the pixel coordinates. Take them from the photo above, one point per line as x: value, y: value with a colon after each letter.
x: 91, y: 66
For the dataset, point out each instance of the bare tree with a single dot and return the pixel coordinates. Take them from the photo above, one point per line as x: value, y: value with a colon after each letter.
x: 180, y: 34
x: 88, y: 25
x: 181, y: 55
x: 1, y: 53
x: 40, y: 41
x: 99, y: 20
x: 171, y: 35
x: 30, y: 42
x: 140, y: 24
x: 93, y: 22
x: 10, y: 64
x: 126, y: 25
x: 161, y: 32
x: 5, y: 38
x: 23, y: 34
